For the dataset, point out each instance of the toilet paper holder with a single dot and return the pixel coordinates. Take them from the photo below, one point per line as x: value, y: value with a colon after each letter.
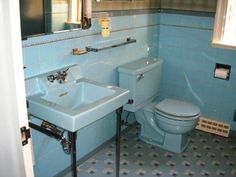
x: 222, y: 71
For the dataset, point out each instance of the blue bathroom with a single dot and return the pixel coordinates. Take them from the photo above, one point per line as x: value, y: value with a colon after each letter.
x: 116, y: 88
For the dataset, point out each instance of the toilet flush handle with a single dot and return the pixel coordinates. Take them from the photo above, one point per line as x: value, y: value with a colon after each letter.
x: 140, y: 76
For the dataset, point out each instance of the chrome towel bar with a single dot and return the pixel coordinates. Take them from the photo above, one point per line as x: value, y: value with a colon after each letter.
x: 128, y: 41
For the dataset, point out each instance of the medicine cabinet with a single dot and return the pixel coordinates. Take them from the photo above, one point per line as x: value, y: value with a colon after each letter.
x: 40, y: 17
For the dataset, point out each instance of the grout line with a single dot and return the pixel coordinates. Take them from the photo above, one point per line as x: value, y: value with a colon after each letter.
x: 191, y: 27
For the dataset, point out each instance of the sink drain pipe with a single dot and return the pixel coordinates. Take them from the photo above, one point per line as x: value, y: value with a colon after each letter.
x: 68, y: 144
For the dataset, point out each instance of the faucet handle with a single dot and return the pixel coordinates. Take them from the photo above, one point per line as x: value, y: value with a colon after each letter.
x: 63, y: 73
x: 66, y: 71
x: 51, y: 78
x: 60, y: 76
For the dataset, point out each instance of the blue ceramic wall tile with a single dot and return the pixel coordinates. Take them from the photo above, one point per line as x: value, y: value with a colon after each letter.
x: 46, y: 53
x: 182, y: 41
x: 186, y: 41
x: 187, y: 21
x: 33, y: 54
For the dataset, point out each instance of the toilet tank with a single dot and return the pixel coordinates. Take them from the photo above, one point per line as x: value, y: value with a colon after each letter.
x: 142, y: 78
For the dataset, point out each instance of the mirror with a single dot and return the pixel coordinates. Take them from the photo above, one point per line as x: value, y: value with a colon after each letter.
x: 40, y: 17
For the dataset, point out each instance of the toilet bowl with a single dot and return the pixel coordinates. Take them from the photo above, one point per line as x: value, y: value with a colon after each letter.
x: 165, y: 123
x: 167, y: 128
x: 175, y: 116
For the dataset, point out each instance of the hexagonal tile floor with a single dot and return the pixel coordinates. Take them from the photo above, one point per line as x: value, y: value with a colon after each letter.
x: 207, y: 155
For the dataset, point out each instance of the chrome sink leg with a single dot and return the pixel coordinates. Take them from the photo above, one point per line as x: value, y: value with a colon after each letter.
x: 72, y: 138
x: 118, y: 131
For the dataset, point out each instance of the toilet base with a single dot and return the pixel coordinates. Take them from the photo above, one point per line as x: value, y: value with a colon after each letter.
x: 152, y: 134
x: 174, y: 143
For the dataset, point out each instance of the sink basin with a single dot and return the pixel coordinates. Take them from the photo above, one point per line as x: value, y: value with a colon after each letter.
x: 76, y: 104
x: 76, y: 96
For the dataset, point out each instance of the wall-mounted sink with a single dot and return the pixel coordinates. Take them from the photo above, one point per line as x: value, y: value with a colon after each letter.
x: 76, y: 104
x: 77, y: 95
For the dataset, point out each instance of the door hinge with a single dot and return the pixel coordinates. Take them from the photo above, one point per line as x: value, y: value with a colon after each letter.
x: 25, y: 135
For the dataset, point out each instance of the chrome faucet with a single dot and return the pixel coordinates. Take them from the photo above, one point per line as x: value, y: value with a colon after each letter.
x: 60, y: 76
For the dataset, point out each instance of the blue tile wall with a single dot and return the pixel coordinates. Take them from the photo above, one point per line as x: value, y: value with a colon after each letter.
x: 189, y: 62
x: 182, y: 41
x: 47, y: 53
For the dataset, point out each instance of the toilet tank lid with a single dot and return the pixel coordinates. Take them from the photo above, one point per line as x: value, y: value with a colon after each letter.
x: 177, y: 108
x: 140, y: 66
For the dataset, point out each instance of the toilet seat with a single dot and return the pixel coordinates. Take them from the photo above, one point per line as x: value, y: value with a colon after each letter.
x: 177, y: 110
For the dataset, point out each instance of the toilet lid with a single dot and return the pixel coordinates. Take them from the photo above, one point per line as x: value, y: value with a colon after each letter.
x: 177, y: 108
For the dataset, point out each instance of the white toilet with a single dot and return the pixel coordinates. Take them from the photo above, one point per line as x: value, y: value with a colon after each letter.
x: 166, y: 123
